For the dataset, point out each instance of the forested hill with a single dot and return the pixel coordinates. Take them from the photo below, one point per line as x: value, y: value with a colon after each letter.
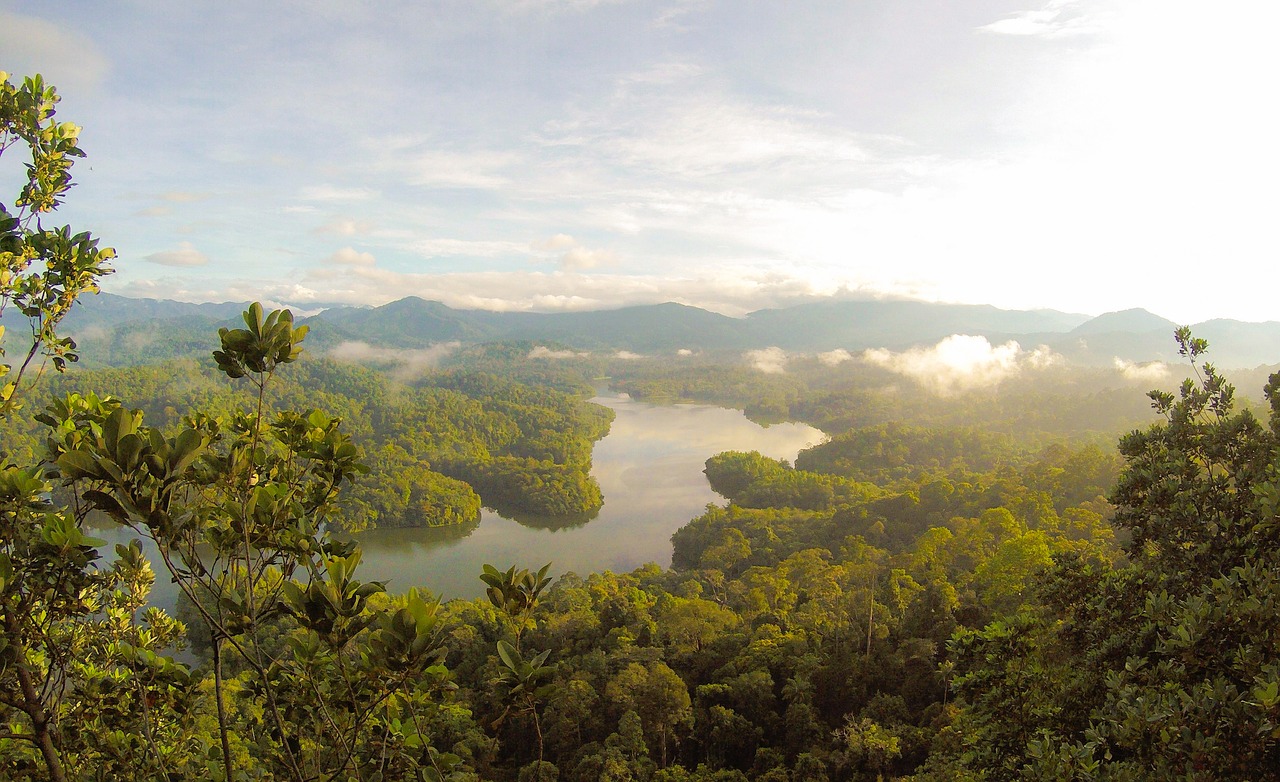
x: 115, y: 330
x: 435, y: 450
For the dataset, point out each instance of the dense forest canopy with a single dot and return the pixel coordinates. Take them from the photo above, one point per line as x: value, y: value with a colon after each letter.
x: 435, y: 450
x: 974, y: 586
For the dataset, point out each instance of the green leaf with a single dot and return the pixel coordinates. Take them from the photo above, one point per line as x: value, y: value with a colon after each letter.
x: 509, y: 655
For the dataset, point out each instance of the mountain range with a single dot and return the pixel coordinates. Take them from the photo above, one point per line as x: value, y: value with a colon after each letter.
x: 115, y: 329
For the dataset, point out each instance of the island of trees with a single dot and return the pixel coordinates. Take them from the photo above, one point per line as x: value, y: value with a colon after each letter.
x: 1002, y: 597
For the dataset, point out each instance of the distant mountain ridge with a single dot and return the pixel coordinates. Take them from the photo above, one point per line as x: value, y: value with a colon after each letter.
x: 122, y: 326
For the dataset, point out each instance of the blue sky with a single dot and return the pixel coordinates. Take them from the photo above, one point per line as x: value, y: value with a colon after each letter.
x: 1084, y: 155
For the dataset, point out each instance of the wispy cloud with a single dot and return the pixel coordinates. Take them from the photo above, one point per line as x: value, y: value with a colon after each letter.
x: 555, y: 6
x: 478, y: 248
x: 344, y: 226
x: 184, y: 197
x: 571, y: 255
x: 542, y: 351
x: 700, y: 136
x: 67, y: 58
x: 1056, y: 19
x: 478, y: 169
x: 681, y: 144
x: 185, y: 255
x: 1149, y: 372
x: 333, y: 193
x: 406, y: 363
x: 349, y: 256
x: 732, y: 291
x: 557, y: 242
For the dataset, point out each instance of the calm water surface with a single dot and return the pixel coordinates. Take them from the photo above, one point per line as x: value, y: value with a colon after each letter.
x: 650, y: 469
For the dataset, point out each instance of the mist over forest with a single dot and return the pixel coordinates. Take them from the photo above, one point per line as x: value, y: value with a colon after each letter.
x: 568, y: 391
x: 871, y: 610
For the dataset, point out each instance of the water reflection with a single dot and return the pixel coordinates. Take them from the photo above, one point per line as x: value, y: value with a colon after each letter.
x: 553, y: 523
x: 650, y: 469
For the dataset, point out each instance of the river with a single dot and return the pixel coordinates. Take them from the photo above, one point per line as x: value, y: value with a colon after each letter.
x: 650, y: 470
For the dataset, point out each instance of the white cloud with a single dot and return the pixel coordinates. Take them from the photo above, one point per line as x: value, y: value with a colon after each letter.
x: 332, y: 193
x: 406, y: 363
x: 1148, y: 372
x: 582, y: 258
x: 184, y: 196
x: 557, y: 242
x: 542, y: 351
x: 344, y: 226
x: 478, y: 248
x: 772, y: 361
x: 684, y: 352
x: 349, y: 256
x: 678, y: 153
x: 1056, y: 19
x: 731, y: 290
x: 699, y: 137
x: 185, y: 255
x: 627, y: 355
x: 67, y: 59
x: 835, y: 357
x: 961, y: 362
x: 483, y: 170
x: 1044, y: 357
x: 556, y: 6
x: 663, y: 73
x: 576, y: 257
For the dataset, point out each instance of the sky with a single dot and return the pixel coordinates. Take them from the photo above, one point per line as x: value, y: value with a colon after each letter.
x: 1080, y: 155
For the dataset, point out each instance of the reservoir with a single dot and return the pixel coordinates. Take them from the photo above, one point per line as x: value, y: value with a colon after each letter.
x: 649, y: 468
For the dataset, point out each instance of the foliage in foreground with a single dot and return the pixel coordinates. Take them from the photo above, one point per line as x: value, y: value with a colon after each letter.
x: 908, y: 602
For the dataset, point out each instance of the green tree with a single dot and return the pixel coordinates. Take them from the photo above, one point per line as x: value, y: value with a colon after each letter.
x: 658, y: 695
x: 70, y: 637
x: 1165, y: 667
x: 43, y: 271
x: 238, y: 508
x: 521, y: 684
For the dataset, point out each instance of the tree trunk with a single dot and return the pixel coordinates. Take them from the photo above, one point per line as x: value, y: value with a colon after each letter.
x: 39, y: 722
x: 32, y: 705
x: 222, y: 707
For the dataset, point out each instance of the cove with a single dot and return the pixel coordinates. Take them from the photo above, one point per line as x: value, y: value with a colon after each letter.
x: 649, y: 467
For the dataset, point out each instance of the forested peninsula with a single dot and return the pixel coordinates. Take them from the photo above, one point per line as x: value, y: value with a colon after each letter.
x: 436, y: 450
x: 960, y: 584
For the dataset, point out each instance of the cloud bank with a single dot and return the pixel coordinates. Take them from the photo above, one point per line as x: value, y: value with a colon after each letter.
x: 771, y: 361
x: 962, y: 362
x: 542, y: 351
x: 1149, y: 371
x: 835, y: 357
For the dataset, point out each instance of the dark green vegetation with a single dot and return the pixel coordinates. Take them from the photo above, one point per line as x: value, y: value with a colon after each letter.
x: 941, y: 591
x: 435, y: 449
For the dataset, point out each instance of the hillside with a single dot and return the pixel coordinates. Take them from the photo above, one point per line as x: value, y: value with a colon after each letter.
x: 118, y: 331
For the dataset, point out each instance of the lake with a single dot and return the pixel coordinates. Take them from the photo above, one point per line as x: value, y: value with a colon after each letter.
x: 650, y: 470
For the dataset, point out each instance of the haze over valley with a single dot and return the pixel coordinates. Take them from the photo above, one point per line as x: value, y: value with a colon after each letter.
x: 639, y: 390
